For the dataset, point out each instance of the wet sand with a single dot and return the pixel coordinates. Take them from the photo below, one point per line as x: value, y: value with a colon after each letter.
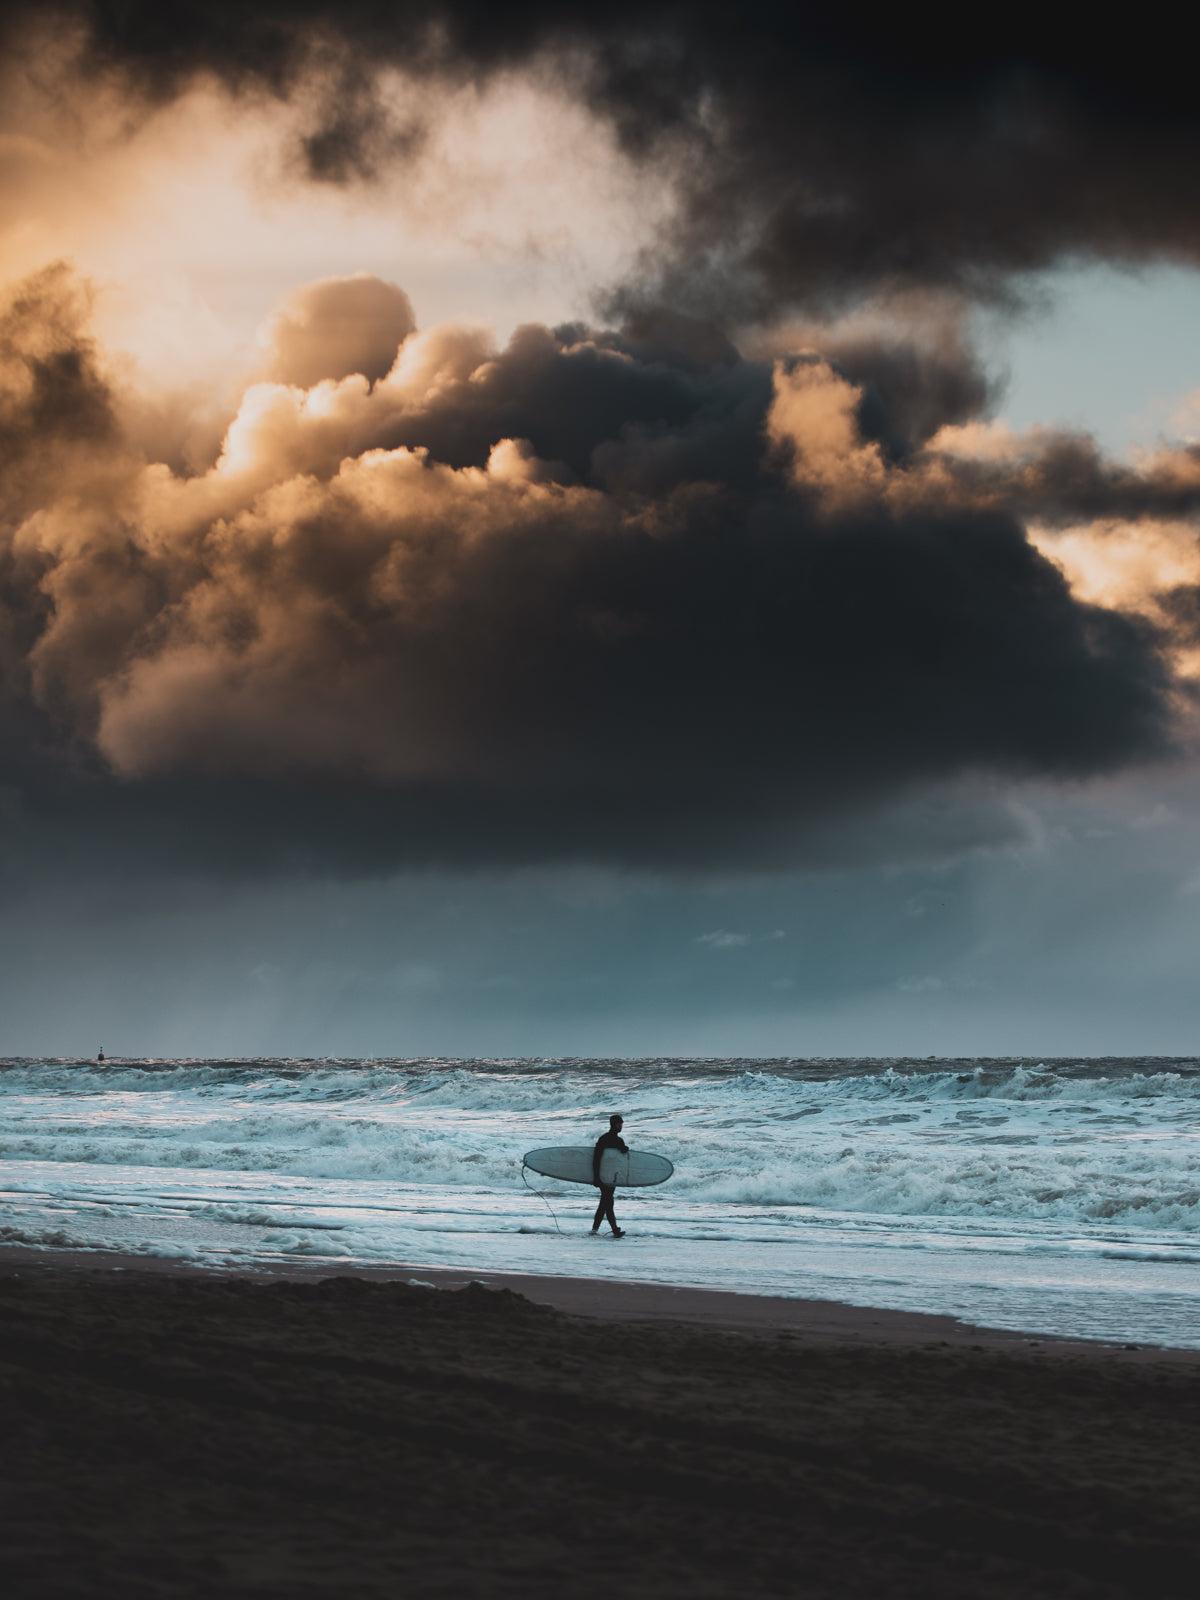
x: 299, y: 1433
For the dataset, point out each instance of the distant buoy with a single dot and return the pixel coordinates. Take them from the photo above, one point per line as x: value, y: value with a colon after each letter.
x: 100, y: 1057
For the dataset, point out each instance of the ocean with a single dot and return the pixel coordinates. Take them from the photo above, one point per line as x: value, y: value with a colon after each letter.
x: 1054, y: 1197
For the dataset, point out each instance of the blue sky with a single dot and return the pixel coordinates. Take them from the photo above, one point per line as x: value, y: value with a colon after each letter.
x: 1113, y: 352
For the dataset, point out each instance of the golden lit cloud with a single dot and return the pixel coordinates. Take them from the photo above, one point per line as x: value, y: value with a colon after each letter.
x: 1137, y: 568
x: 316, y: 465
x: 814, y: 419
x: 493, y: 565
x: 192, y: 220
x: 1130, y: 566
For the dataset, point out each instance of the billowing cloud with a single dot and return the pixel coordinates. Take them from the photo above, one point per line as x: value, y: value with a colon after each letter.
x: 338, y: 327
x: 818, y: 156
x: 698, y: 587
x: 1060, y: 477
x: 623, y: 596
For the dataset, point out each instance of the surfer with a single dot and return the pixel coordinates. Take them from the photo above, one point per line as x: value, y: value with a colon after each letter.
x: 611, y: 1140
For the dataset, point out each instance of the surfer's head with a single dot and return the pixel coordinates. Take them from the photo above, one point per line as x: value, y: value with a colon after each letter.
x: 616, y: 1123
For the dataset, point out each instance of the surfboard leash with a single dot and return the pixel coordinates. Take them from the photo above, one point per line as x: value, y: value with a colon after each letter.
x: 540, y: 1195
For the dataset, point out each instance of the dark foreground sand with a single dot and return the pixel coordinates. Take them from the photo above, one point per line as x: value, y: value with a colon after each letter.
x: 169, y: 1433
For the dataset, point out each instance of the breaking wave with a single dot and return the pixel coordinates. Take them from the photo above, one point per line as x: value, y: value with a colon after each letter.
x: 1084, y: 1141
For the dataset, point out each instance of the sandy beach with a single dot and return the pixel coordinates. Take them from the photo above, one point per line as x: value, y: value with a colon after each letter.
x: 171, y: 1432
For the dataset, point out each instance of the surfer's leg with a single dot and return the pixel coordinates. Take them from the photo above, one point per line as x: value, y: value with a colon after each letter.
x: 608, y: 1192
x: 600, y: 1211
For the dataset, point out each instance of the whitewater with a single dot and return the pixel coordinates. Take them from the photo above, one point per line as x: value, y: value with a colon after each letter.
x: 1053, y: 1197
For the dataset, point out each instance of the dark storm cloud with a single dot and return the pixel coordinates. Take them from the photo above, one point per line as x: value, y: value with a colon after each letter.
x: 1061, y: 477
x: 911, y: 387
x: 821, y: 153
x: 622, y: 597
x: 610, y: 595
x: 629, y: 412
x: 56, y: 425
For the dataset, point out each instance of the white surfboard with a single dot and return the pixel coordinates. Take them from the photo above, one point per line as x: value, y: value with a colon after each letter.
x: 573, y: 1164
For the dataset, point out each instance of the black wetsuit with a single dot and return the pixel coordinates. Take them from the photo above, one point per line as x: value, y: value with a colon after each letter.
x: 611, y: 1140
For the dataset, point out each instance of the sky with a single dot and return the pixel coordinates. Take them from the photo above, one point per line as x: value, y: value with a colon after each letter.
x: 595, y: 530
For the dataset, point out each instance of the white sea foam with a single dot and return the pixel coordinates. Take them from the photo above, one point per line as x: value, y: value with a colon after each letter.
x: 1063, y: 1195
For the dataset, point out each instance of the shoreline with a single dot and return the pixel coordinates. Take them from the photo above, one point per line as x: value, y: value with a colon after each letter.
x: 622, y: 1301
